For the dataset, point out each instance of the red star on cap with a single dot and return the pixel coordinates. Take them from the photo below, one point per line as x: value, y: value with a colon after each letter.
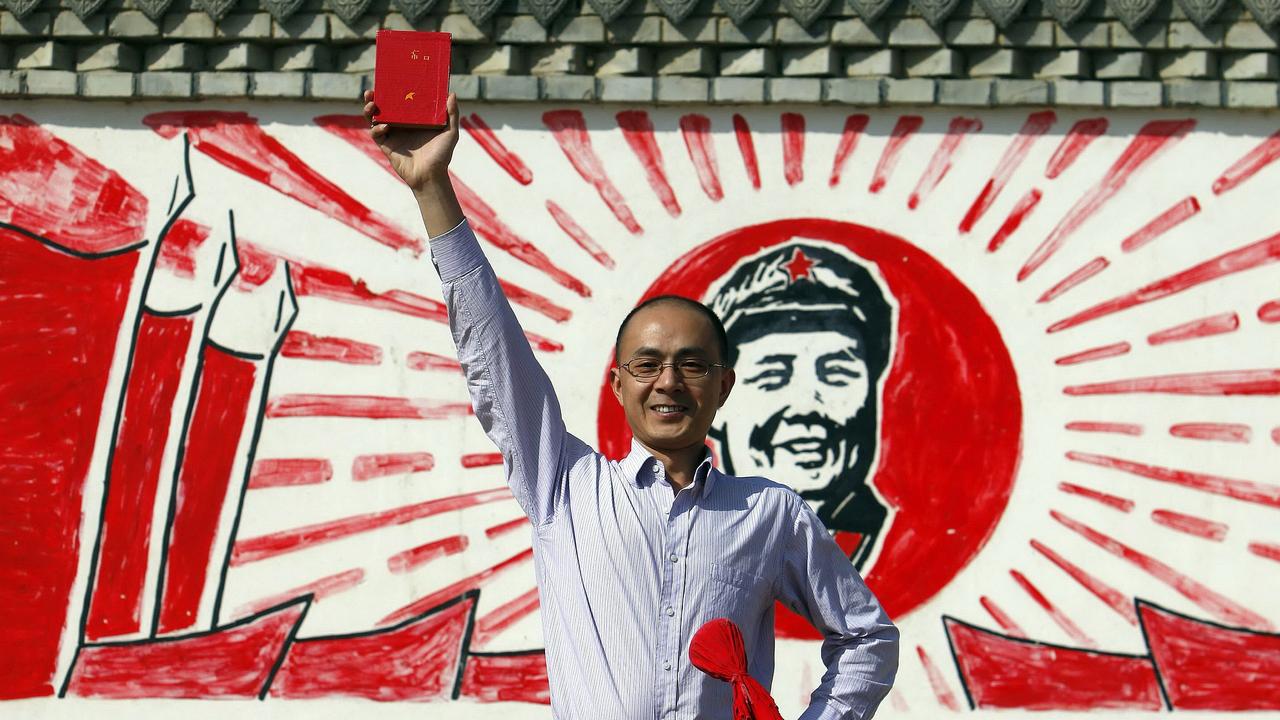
x: 799, y: 266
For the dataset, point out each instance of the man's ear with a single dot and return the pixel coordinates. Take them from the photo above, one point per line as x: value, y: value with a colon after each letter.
x: 727, y: 379
x: 615, y: 383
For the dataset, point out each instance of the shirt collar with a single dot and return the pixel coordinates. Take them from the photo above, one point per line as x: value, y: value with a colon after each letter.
x: 640, y: 461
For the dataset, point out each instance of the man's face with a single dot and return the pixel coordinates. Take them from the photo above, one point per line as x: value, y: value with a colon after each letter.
x: 799, y: 395
x: 670, y: 412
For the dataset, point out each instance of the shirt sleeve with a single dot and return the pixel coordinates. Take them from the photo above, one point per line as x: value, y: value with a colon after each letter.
x: 860, y: 644
x: 511, y: 394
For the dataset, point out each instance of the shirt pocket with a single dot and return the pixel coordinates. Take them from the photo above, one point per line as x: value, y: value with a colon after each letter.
x: 737, y: 594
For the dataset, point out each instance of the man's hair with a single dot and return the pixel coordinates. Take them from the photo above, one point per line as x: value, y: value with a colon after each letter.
x: 722, y: 338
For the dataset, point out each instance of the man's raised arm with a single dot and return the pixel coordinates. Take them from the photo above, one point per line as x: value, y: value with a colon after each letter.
x: 512, y: 396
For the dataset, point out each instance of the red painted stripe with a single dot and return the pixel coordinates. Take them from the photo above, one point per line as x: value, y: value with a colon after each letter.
x: 532, y: 300
x: 637, y: 130
x: 1099, y: 353
x: 1203, y: 327
x: 178, y: 248
x: 940, y: 164
x: 368, y: 467
x: 479, y: 131
x: 906, y: 126
x: 1083, y: 273
x: 569, y: 128
x: 115, y: 607
x: 543, y: 344
x: 486, y: 223
x: 1245, y: 490
x: 506, y: 527
x: 1215, y: 604
x: 578, y: 235
x: 1181, y: 211
x: 403, y: 562
x: 518, y: 677
x: 299, y: 344
x: 1113, y: 501
x: 1105, y: 427
x: 1223, y: 432
x: 1269, y: 312
x: 1058, y: 617
x: 454, y: 589
x: 1151, y: 139
x: 1079, y: 137
x: 1037, y: 124
x: 854, y: 125
x: 1226, y: 382
x: 941, y: 690
x: 1020, y: 211
x: 287, y: 541
x: 1262, y: 155
x: 1261, y: 253
x: 1112, y: 598
x: 1002, y: 618
x: 373, y: 407
x: 793, y: 147
x: 1265, y: 550
x: 431, y: 361
x: 237, y: 141
x: 696, y: 131
x: 204, y: 481
x: 1190, y: 524
x: 492, y: 624
x: 475, y: 460
x: 747, y: 147
x: 324, y: 587
x: 289, y: 472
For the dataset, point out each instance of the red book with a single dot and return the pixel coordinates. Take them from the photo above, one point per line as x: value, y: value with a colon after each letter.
x: 411, y: 77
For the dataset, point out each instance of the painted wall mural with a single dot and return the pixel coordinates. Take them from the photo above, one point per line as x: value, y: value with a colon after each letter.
x: 1024, y: 365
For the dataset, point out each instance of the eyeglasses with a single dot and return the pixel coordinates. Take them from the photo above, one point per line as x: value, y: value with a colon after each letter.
x: 649, y: 369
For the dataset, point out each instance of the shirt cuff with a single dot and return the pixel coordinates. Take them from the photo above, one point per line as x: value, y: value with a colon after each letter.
x: 456, y: 252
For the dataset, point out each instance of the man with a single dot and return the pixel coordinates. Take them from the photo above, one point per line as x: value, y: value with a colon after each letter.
x: 632, y: 557
x: 810, y: 334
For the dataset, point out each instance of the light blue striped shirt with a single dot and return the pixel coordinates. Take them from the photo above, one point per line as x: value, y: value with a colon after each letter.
x: 627, y: 570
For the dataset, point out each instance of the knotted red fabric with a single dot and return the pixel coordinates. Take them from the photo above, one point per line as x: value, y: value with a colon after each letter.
x: 717, y: 650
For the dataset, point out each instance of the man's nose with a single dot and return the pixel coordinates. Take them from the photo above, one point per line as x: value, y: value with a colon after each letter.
x: 668, y: 378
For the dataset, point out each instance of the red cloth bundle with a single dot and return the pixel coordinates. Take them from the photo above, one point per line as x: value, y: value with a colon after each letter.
x: 717, y: 650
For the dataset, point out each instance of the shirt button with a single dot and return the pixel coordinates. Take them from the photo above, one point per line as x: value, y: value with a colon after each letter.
x: 673, y: 557
x: 666, y: 666
x: 671, y: 611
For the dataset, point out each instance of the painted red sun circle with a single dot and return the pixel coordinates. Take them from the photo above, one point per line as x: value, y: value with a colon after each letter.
x: 951, y: 413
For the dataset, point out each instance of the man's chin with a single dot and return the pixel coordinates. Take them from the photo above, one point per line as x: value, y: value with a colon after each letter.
x: 802, y: 472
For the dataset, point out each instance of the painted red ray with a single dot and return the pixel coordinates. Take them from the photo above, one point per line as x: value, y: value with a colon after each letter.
x: 1265, y: 550
x: 1004, y: 672
x: 304, y: 345
x: 1245, y: 490
x: 1056, y: 614
x: 1224, y: 382
x: 475, y: 460
x: 696, y: 131
x: 403, y: 562
x: 854, y: 125
x: 237, y: 141
x: 578, y: 235
x: 747, y: 147
x: 1020, y: 211
x: 503, y: 528
x: 1002, y: 618
x: 1190, y: 524
x: 1269, y: 312
x: 94, y: 210
x: 368, y: 467
x: 1079, y: 137
x: 373, y: 407
x: 940, y: 164
x: 1112, y: 501
x: 1111, y: 597
x: 1151, y: 139
x: 942, y: 691
x: 1259, y: 157
x: 1037, y: 124
x: 1081, y: 274
x: 456, y: 588
x: 431, y: 361
x: 1215, y: 604
x: 1260, y: 253
x: 492, y: 624
x: 1275, y: 435
x: 327, y: 586
x: 1179, y: 213
x: 178, y: 251
x: 1098, y: 353
x: 1222, y: 432
x: 569, y: 128
x: 288, y: 472
x: 637, y: 130
x: 793, y: 147
x: 1203, y: 327
x: 1105, y: 427
x: 286, y: 541
x: 479, y: 131
x: 906, y: 126
x: 507, y: 677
